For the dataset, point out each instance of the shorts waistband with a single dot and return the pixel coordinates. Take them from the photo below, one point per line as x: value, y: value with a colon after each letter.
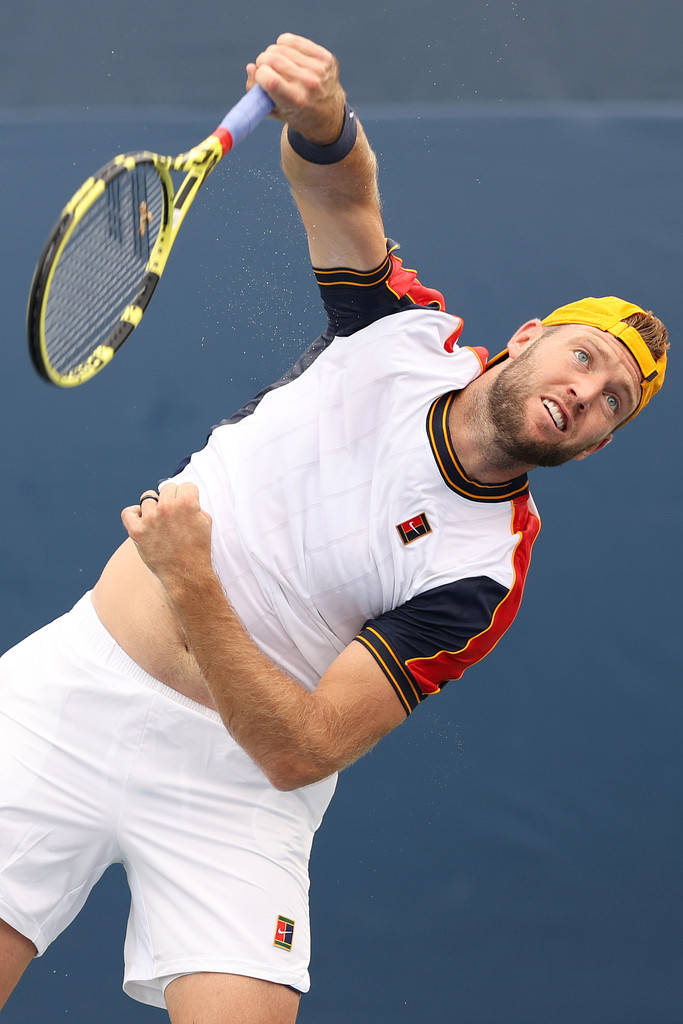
x: 103, y: 646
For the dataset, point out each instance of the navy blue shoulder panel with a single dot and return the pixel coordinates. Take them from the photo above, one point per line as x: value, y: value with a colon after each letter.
x: 421, y: 644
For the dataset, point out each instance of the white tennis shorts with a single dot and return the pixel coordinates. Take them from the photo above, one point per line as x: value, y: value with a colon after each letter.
x: 100, y: 763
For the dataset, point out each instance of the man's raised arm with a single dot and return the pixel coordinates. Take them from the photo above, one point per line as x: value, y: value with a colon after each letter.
x: 326, y: 156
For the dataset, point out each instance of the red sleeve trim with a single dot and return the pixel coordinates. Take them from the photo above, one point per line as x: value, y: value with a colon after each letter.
x: 451, y: 664
x: 481, y: 353
x: 403, y: 282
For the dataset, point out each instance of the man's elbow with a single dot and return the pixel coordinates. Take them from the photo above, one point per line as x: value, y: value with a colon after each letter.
x: 287, y: 774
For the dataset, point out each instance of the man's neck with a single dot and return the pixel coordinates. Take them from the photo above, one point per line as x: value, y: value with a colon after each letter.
x: 473, y: 435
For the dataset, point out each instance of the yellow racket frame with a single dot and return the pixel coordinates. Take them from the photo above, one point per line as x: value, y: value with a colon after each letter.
x: 197, y: 164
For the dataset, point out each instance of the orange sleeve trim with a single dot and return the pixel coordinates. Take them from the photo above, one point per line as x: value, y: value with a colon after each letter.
x: 355, y: 278
x: 356, y: 284
x: 397, y: 661
x: 387, y: 671
x: 481, y: 354
x: 356, y: 273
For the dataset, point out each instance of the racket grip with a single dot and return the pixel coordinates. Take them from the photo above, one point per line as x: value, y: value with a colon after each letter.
x: 241, y: 119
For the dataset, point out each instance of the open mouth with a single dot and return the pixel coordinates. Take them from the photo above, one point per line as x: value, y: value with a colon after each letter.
x: 555, y: 413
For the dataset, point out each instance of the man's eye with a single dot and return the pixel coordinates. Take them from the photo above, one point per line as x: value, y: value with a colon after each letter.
x: 582, y: 356
x: 613, y: 403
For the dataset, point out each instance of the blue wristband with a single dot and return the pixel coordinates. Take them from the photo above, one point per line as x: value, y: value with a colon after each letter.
x: 332, y: 153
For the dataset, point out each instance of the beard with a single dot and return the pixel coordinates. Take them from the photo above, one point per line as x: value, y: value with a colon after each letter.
x: 507, y: 411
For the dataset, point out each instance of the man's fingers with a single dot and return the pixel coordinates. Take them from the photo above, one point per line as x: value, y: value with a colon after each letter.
x: 304, y: 46
x: 147, y: 501
x: 188, y: 493
x: 288, y: 96
x: 171, y: 500
x: 167, y: 493
x: 130, y: 517
x: 295, y: 73
x: 289, y: 70
x: 320, y: 65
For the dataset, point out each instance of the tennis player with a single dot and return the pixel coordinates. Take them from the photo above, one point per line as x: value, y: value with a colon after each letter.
x: 354, y: 538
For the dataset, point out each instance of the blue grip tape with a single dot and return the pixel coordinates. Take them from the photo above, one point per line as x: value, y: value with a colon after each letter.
x: 254, y: 106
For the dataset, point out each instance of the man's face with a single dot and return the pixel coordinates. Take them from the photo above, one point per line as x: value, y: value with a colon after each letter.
x: 560, y: 396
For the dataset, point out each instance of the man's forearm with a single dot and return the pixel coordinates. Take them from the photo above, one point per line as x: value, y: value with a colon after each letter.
x: 352, y: 180
x: 338, y: 200
x: 294, y: 736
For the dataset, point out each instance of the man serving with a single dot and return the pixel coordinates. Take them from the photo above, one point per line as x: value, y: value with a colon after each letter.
x: 354, y: 538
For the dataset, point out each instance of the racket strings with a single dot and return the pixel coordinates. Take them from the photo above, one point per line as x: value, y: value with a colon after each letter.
x: 101, y: 267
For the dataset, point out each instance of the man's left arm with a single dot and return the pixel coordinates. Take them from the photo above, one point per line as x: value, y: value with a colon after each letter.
x: 295, y: 737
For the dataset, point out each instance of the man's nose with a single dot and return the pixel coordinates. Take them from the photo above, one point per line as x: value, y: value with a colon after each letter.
x: 582, y: 394
x: 577, y: 399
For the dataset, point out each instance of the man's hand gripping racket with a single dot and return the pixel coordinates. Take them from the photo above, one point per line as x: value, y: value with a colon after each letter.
x: 106, y: 253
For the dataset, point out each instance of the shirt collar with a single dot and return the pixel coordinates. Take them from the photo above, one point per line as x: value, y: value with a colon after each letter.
x: 450, y: 467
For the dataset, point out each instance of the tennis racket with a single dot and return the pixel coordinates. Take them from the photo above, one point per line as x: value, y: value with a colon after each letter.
x: 106, y: 253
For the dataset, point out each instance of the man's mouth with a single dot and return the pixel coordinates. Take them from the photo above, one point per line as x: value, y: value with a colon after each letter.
x: 556, y: 413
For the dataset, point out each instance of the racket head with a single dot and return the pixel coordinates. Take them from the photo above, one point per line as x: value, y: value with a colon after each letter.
x: 99, y: 268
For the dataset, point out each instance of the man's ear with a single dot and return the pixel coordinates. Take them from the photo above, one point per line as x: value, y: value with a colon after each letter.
x: 523, y: 335
x: 596, y: 448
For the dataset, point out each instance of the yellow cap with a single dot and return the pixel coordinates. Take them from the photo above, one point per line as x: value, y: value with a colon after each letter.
x: 608, y: 314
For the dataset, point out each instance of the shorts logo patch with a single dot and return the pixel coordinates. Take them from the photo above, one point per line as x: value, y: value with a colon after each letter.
x: 413, y: 528
x: 284, y: 932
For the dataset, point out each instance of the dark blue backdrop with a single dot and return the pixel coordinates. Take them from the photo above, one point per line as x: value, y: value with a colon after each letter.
x: 513, y: 852
x: 91, y: 55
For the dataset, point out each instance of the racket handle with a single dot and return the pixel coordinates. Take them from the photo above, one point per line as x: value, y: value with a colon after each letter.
x: 241, y: 119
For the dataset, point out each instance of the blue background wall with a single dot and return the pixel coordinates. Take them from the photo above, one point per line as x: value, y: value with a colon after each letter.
x: 513, y: 852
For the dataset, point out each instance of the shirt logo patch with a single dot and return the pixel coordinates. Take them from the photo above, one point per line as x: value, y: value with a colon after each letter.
x: 284, y: 932
x: 413, y: 528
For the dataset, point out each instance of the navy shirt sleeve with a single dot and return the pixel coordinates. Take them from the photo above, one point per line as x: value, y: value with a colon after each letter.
x: 436, y: 635
x: 355, y: 299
